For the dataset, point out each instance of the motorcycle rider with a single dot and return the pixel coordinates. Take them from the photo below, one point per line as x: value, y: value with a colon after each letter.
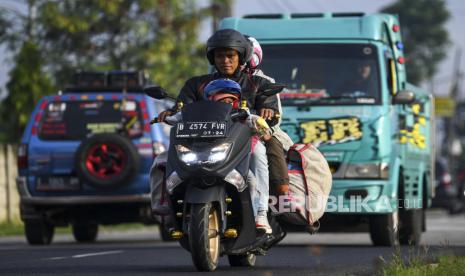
x: 228, y: 51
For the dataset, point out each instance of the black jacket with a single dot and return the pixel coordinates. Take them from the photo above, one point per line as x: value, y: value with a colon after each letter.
x: 251, y: 86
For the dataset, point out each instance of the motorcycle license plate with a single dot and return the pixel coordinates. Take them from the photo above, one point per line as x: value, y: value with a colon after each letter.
x: 201, y: 129
x: 57, y: 184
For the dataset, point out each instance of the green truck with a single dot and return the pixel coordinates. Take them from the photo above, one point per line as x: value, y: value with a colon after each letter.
x: 348, y: 94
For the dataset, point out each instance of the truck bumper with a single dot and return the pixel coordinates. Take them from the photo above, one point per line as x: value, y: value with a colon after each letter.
x: 362, y: 197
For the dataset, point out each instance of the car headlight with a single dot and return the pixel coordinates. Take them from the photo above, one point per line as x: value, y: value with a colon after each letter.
x: 209, y: 156
x: 369, y: 170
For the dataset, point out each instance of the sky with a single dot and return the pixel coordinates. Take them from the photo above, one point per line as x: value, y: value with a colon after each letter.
x: 442, y: 80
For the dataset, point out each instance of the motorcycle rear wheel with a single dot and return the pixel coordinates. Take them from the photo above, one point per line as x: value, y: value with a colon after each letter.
x: 204, y: 238
x: 242, y: 260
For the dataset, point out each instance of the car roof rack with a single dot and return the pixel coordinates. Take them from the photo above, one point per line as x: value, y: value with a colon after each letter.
x: 107, y: 81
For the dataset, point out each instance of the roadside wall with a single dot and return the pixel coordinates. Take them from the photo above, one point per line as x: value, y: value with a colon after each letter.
x: 9, y: 198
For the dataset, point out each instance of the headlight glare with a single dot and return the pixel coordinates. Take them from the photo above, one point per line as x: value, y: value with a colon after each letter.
x: 208, y: 156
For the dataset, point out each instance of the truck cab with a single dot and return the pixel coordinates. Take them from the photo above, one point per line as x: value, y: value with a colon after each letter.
x: 348, y: 95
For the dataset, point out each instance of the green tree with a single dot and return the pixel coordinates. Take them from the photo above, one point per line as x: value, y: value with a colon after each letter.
x: 60, y: 37
x: 424, y: 35
x: 157, y: 35
x: 26, y: 86
x: 28, y: 82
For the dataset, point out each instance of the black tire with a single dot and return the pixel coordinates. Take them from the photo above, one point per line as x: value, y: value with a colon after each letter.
x: 384, y: 229
x: 38, y: 232
x: 85, y: 232
x: 242, y: 260
x: 411, y: 222
x: 204, y: 255
x: 107, y: 160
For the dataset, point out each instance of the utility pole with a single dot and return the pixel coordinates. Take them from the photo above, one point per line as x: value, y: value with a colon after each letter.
x: 453, y: 121
x: 220, y: 9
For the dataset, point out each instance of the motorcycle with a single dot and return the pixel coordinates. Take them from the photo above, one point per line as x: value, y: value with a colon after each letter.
x: 206, y: 182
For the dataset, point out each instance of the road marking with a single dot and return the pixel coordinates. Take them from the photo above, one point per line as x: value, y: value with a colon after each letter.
x: 57, y: 258
x: 86, y: 255
x: 97, y: 254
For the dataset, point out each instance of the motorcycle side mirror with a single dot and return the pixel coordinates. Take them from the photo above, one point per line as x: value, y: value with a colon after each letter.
x: 157, y: 92
x: 273, y: 89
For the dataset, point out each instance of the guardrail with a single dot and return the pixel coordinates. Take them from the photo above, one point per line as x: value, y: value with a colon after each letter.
x: 9, y: 197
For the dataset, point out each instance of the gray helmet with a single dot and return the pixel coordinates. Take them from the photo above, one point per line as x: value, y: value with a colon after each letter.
x: 232, y: 39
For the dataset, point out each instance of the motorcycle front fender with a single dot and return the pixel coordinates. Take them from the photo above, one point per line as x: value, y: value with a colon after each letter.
x: 216, y: 193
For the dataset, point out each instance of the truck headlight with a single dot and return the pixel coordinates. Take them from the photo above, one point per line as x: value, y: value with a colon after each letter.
x: 368, y: 170
x: 209, y: 156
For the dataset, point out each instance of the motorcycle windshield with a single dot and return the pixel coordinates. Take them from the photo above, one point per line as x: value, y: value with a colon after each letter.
x: 203, y: 111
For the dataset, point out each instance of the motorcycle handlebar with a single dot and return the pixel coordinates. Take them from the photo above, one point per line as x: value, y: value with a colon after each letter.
x: 170, y: 120
x: 240, y: 115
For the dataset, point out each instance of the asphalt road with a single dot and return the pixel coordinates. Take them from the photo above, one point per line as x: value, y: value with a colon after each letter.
x: 142, y: 253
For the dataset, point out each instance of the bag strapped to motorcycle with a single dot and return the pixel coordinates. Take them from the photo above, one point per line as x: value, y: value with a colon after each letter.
x: 159, y: 197
x: 310, y: 182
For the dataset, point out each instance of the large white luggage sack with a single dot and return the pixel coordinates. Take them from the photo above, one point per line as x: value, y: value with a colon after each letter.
x: 310, y: 185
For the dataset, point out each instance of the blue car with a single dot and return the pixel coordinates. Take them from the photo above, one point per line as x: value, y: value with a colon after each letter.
x: 85, y: 156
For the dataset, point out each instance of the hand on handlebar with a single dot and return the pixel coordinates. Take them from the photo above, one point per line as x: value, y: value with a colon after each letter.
x: 267, y: 113
x: 162, y: 116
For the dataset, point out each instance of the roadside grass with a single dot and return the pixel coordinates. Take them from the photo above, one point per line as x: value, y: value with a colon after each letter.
x: 16, y: 228
x: 423, y: 264
x: 11, y: 228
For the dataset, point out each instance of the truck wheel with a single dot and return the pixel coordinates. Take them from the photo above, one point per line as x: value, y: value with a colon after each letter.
x: 38, y: 232
x: 410, y: 226
x: 85, y: 232
x: 384, y: 229
x: 242, y: 260
x: 204, y: 240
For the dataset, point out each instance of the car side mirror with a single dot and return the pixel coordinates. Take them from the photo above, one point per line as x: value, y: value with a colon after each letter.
x: 404, y: 97
x: 273, y: 89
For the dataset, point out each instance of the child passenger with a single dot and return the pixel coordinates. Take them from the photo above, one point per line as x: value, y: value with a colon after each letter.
x: 229, y: 91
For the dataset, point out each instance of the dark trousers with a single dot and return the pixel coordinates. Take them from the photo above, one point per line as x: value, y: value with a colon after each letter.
x: 277, y: 165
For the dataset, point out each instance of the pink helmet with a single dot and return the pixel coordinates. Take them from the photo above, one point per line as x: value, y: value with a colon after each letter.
x: 257, y: 53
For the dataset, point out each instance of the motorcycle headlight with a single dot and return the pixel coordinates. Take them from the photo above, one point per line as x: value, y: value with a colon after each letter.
x: 186, y: 155
x: 219, y: 153
x: 208, y: 156
x: 369, y: 170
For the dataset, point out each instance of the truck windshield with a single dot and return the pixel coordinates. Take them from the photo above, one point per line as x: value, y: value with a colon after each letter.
x: 324, y: 74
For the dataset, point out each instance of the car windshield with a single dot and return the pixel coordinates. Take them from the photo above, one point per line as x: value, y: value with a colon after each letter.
x: 76, y: 120
x: 324, y: 74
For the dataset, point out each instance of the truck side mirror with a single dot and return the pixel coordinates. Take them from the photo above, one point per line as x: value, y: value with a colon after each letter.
x: 404, y: 97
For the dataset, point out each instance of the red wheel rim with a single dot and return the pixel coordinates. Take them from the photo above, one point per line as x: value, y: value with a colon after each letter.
x: 105, y: 160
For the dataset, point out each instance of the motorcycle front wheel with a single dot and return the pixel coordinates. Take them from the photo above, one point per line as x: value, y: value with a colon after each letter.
x: 204, y: 239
